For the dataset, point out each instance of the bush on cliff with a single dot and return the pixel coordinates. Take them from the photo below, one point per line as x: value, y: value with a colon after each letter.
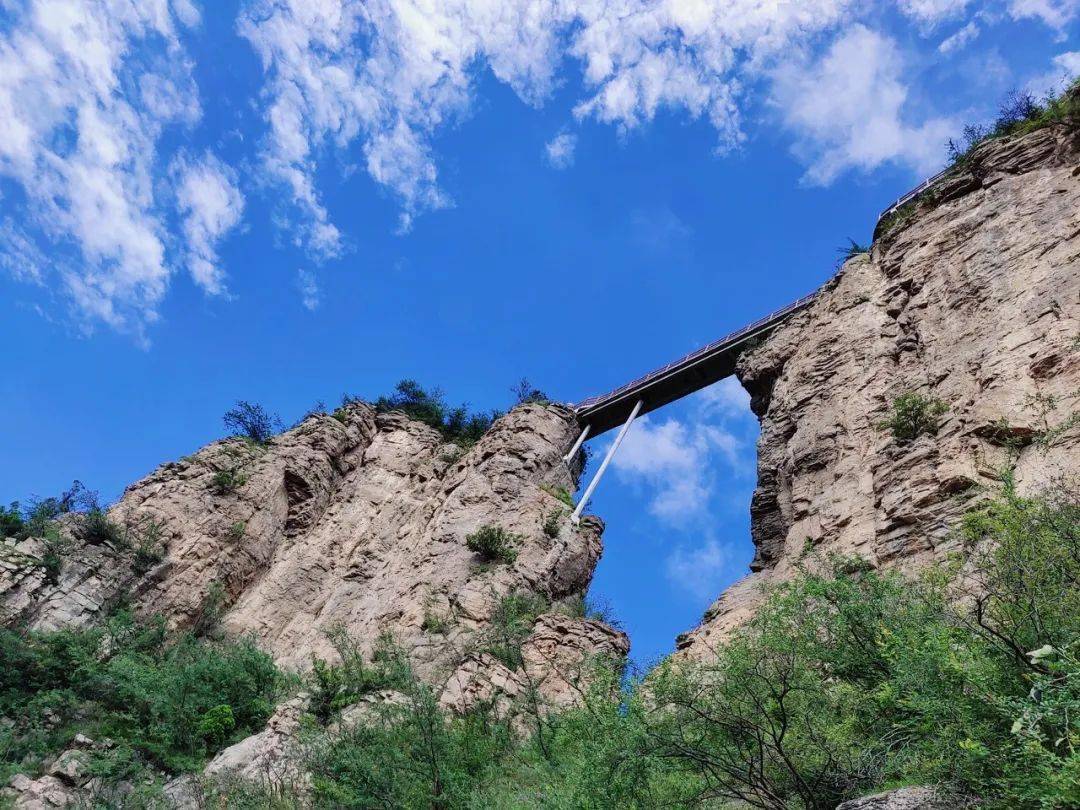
x: 252, y: 421
x: 848, y: 680
x: 428, y: 405
x: 913, y: 415
x: 493, y: 544
x: 165, y: 703
x: 1018, y: 114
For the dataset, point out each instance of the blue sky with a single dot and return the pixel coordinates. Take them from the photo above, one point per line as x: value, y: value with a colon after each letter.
x: 283, y: 201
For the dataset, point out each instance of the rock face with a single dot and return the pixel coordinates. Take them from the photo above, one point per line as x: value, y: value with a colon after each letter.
x: 973, y: 300
x: 909, y: 798
x: 356, y: 520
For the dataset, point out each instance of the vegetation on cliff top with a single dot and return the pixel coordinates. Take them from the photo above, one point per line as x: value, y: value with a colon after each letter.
x: 1018, y: 114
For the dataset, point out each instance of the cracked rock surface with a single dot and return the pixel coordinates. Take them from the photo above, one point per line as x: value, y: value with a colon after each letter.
x: 357, y: 520
x: 973, y: 300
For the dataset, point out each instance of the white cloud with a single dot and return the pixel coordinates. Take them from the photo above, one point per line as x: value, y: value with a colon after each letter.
x: 678, y: 461
x: 698, y: 570
x: 84, y: 153
x: 1054, y: 13
x: 560, y: 150
x: 727, y: 399
x: 308, y: 285
x: 211, y: 205
x: 932, y: 11
x: 1064, y: 68
x: 959, y: 40
x: 847, y: 110
x: 388, y: 74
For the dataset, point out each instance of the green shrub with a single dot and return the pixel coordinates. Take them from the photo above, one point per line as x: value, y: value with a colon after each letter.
x: 97, y: 529
x: 236, y: 531
x: 252, y: 421
x: 434, y: 623
x: 165, y: 703
x: 335, y: 686
x: 148, y: 552
x: 851, y: 250
x: 217, y: 724
x: 524, y: 393
x: 591, y: 607
x: 208, y: 618
x: 429, y: 406
x: 560, y: 493
x: 227, y: 481
x: 913, y: 415
x: 410, y: 754
x: 493, y: 544
x: 11, y: 521
x: 55, y: 548
x: 510, y: 624
x: 553, y: 522
x: 1018, y: 114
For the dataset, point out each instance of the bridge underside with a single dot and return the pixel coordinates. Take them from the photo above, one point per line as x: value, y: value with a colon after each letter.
x: 697, y: 370
x: 663, y: 390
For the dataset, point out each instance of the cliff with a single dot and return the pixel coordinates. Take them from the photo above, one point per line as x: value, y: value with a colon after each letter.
x: 972, y: 298
x: 355, y: 520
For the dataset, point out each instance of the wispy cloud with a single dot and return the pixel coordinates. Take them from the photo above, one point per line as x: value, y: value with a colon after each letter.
x: 933, y: 11
x: 388, y: 75
x: 560, y: 150
x: 678, y: 462
x: 847, y: 110
x: 308, y: 285
x: 82, y: 145
x: 1064, y: 67
x: 699, y: 570
x: 210, y: 205
x: 959, y: 40
x: 1055, y: 13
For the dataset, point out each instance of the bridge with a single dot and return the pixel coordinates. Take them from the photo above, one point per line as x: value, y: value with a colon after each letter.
x: 679, y: 378
x: 682, y: 377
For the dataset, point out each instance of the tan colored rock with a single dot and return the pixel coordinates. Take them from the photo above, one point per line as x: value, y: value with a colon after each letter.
x: 357, y: 520
x: 974, y: 301
x: 269, y: 756
x: 556, y: 659
x: 908, y: 798
x: 40, y: 794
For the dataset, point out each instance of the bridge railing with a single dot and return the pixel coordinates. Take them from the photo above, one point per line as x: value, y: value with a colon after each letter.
x: 916, y: 192
x: 760, y: 323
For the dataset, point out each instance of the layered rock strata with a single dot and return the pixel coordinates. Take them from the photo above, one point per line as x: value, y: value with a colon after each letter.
x: 972, y: 298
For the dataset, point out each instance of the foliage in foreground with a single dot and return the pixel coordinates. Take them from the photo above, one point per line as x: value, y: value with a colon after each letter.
x: 847, y: 681
x: 167, y: 704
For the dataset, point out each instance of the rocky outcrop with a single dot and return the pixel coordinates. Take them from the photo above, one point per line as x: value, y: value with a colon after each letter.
x: 553, y: 673
x: 909, y: 798
x: 66, y: 782
x: 974, y: 300
x: 356, y: 520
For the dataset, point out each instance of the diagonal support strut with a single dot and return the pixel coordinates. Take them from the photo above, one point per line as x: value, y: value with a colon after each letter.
x: 576, y: 516
x: 577, y: 445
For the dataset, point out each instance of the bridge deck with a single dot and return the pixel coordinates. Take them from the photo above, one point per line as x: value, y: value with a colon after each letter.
x: 677, y: 379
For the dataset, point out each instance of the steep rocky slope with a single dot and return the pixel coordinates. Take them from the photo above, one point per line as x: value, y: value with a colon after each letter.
x: 356, y: 520
x: 972, y: 298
